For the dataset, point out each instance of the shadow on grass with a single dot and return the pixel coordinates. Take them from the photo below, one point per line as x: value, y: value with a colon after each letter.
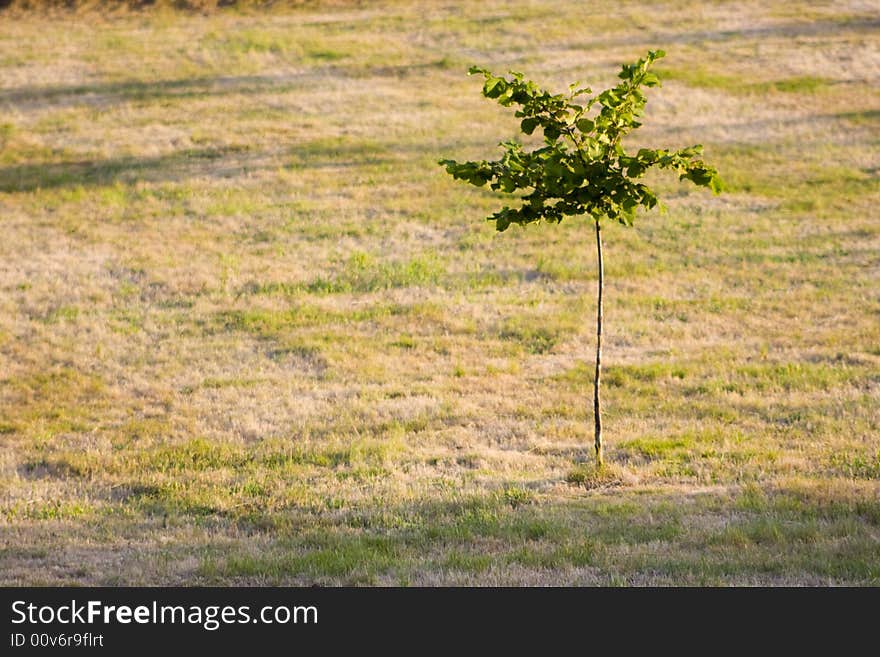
x: 600, y: 538
x: 57, y: 96
x: 785, y: 30
x: 819, y: 531
x: 220, y: 162
x: 215, y: 162
x: 743, y: 129
x: 802, y: 534
x: 107, y: 93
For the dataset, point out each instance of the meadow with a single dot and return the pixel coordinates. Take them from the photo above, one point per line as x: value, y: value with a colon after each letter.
x: 252, y: 333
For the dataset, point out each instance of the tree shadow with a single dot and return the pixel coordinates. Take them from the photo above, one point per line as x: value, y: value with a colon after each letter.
x: 788, y: 30
x: 865, y: 117
x: 482, y: 537
x: 107, y: 93
x: 100, y: 94
x: 216, y: 162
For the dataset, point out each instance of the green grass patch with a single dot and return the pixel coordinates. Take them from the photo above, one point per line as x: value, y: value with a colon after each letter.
x: 857, y: 466
x: 363, y: 273
x: 707, y: 79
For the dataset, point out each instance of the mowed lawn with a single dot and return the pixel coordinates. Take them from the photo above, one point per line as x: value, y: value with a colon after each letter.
x: 252, y: 333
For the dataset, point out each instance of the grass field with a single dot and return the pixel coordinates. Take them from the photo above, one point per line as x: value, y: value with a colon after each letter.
x: 251, y: 333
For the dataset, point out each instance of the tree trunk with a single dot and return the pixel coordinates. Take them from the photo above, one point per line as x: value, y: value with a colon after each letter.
x: 597, y: 411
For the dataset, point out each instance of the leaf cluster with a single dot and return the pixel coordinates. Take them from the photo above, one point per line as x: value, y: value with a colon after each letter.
x: 582, y: 167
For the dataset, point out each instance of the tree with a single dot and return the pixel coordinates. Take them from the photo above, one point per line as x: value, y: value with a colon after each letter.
x: 582, y: 168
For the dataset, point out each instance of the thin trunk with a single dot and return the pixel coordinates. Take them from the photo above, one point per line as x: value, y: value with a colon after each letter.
x: 597, y: 411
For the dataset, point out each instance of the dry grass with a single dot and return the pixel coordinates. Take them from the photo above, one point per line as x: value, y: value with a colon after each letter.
x: 251, y: 333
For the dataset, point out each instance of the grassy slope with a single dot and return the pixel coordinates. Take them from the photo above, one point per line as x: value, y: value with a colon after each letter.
x: 251, y: 333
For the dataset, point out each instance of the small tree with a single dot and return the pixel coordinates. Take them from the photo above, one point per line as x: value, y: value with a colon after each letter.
x: 582, y: 168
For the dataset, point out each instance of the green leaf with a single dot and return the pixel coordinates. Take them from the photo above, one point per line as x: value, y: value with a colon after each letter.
x: 494, y: 87
x: 635, y: 169
x: 528, y: 125
x: 691, y: 151
x: 699, y: 175
x: 651, y: 80
x: 585, y: 125
x: 594, y: 149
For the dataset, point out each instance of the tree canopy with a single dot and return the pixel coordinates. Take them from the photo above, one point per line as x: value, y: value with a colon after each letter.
x: 582, y: 167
